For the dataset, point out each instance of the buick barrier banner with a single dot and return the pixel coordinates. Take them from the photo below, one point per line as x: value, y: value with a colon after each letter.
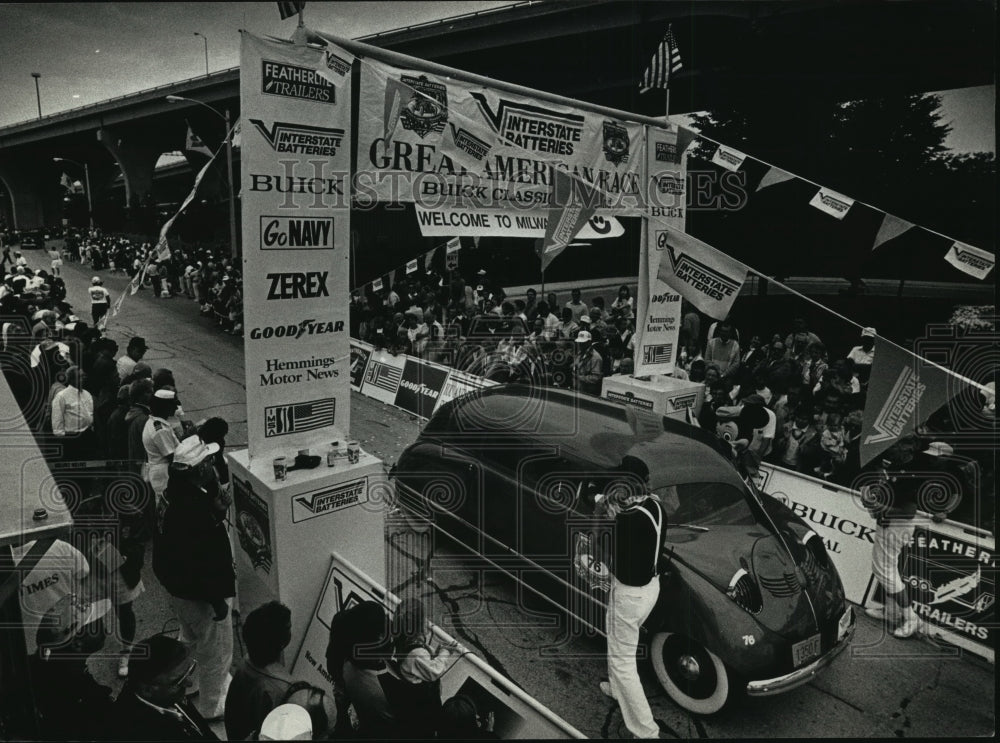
x: 443, y: 142
x: 836, y: 515
x: 658, y: 307
x: 296, y: 233
x: 419, y: 387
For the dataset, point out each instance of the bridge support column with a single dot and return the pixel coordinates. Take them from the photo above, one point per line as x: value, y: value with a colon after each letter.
x: 32, y: 203
x: 137, y: 155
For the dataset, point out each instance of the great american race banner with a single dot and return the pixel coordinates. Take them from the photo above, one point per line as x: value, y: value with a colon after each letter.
x: 439, y: 141
x: 296, y: 237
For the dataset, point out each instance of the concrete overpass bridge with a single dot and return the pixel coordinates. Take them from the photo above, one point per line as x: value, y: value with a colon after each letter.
x: 596, y: 50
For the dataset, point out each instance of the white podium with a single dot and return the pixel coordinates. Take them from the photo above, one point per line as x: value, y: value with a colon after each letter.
x: 658, y: 394
x: 287, y: 529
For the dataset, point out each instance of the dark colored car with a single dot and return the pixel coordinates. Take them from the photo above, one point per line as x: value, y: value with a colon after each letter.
x: 750, y: 602
x: 32, y: 241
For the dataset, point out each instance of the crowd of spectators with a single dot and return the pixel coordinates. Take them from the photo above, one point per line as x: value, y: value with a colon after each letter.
x: 807, y: 393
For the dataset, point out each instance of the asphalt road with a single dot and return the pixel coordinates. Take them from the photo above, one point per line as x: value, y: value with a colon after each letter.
x: 880, y: 687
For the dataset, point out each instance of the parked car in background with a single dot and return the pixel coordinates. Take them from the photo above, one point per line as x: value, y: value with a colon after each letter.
x: 750, y: 602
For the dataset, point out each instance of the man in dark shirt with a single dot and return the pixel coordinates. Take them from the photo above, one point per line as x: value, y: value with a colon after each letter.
x: 639, y: 526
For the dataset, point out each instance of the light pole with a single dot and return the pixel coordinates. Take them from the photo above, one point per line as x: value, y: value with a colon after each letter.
x: 229, y: 166
x: 205, y: 39
x: 86, y: 176
x: 38, y: 94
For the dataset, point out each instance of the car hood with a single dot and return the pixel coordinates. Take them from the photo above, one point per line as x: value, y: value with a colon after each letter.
x: 719, y: 553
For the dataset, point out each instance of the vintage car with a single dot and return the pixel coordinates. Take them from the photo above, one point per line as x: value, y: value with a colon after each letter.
x: 750, y: 602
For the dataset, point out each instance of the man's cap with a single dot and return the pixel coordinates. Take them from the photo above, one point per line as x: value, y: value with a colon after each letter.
x: 153, y: 656
x: 479, y: 287
x: 585, y: 319
x: 754, y: 400
x: 142, y: 369
x: 583, y: 337
x: 939, y: 449
x: 193, y: 450
x: 481, y: 272
x: 286, y: 722
x: 137, y: 341
x: 166, y: 393
x: 868, y: 333
x: 96, y: 280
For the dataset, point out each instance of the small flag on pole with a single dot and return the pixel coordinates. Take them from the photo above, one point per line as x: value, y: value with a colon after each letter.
x: 666, y: 61
x: 194, y: 143
x: 428, y: 260
x: 288, y: 9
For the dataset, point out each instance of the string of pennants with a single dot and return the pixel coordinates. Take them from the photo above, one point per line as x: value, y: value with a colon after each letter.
x: 451, y: 250
x: 969, y: 259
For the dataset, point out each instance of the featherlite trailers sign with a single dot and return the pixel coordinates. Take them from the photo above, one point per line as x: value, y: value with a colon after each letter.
x: 296, y: 236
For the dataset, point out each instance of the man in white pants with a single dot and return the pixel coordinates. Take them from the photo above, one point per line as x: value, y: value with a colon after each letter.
x: 639, y: 525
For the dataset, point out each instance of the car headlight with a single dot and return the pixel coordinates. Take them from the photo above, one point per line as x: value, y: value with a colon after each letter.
x: 743, y: 589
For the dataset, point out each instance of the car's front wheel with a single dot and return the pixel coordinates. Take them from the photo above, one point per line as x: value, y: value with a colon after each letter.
x: 693, y: 676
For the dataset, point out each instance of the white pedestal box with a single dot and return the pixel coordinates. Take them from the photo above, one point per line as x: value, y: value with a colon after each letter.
x: 659, y: 394
x: 287, y: 529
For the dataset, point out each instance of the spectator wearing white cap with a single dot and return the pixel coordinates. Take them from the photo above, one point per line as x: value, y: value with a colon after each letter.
x: 287, y: 722
x: 193, y: 560
x: 588, y: 370
x: 863, y: 356
x: 100, y: 299
x: 160, y: 441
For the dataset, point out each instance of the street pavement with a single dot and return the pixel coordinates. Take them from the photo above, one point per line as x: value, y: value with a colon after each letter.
x: 880, y: 687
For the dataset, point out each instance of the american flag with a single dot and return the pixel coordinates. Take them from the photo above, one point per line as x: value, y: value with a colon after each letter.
x: 660, y: 354
x: 288, y: 9
x: 666, y: 61
x: 280, y: 420
x: 384, y: 375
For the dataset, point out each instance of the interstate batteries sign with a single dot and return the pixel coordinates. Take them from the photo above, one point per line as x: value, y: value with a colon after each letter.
x: 441, y: 142
x: 296, y: 236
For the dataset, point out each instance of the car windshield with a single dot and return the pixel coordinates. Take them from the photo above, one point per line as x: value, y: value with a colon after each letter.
x: 705, y: 504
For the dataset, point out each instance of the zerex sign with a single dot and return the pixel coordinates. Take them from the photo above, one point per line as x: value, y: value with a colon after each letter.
x: 299, y: 139
x: 329, y: 500
x: 292, y: 81
x: 296, y: 233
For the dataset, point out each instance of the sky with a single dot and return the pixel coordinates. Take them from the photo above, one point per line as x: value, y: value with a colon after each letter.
x: 87, y: 52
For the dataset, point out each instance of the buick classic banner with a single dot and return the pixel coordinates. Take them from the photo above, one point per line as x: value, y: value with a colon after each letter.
x: 443, y: 142
x: 296, y: 235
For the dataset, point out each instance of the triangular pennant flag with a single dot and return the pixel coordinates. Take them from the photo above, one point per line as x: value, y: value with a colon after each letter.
x: 65, y: 181
x: 706, y: 277
x: 396, y: 96
x: 891, y: 227
x: 411, y: 266
x: 773, y: 177
x: 728, y: 158
x: 377, y: 285
x: 903, y: 391
x: 684, y: 139
x: 831, y: 202
x: 237, y: 136
x: 194, y: 143
x: 574, y: 203
x: 429, y: 259
x: 334, y: 65
x: 970, y: 260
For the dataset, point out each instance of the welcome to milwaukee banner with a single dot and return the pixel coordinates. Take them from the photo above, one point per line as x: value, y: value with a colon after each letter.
x: 439, y: 141
x: 902, y: 392
x: 296, y: 237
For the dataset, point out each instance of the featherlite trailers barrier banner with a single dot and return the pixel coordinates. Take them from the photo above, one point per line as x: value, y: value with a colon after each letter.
x: 296, y: 237
x: 442, y: 142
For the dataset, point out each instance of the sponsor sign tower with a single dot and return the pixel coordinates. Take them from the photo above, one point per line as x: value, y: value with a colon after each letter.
x: 294, y: 501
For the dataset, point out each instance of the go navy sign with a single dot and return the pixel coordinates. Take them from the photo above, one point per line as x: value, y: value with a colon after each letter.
x: 296, y: 233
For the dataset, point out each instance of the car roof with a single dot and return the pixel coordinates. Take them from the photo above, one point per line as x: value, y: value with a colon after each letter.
x: 586, y: 428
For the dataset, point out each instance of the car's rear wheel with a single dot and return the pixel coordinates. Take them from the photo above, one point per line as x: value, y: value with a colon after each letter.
x: 692, y: 675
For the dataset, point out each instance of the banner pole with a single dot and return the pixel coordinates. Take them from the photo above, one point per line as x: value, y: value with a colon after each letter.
x: 397, y: 59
